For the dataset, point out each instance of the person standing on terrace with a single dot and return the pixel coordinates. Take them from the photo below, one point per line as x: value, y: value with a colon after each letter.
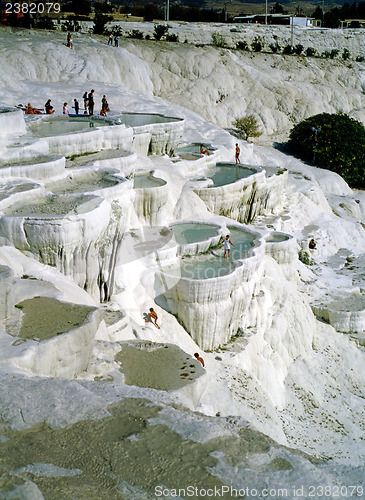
x: 227, y: 246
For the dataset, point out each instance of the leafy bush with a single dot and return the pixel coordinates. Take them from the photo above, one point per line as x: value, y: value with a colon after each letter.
x: 275, y: 47
x: 242, y: 45
x: 360, y: 58
x: 334, y: 53
x: 117, y: 31
x: 298, y: 49
x: 247, y: 126
x: 160, y: 30
x: 218, y: 39
x: 338, y: 145
x: 44, y: 23
x: 71, y: 24
x: 173, y: 37
x: 136, y: 34
x: 305, y: 258
x: 100, y: 20
x: 310, y: 51
x: 257, y: 44
x: 345, y: 54
x: 288, y: 49
x: 326, y: 54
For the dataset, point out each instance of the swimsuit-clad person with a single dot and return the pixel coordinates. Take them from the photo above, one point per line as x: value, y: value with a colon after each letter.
x: 227, y: 246
x: 238, y: 154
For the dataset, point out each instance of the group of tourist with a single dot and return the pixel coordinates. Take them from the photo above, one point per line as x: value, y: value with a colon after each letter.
x: 88, y: 106
x: 115, y: 38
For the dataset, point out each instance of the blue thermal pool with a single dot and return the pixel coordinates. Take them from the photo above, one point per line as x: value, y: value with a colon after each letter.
x: 147, y: 180
x: 227, y: 173
x: 55, y: 206
x: 191, y: 232
x: 60, y: 125
x: 277, y: 238
x: 140, y: 119
x: 212, y: 264
x: 84, y: 182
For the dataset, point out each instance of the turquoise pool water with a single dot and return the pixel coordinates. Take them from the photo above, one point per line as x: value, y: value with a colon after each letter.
x: 192, y: 232
x: 147, y: 181
x: 140, y: 119
x: 60, y: 125
x: 227, y: 173
x: 212, y: 264
x: 84, y: 182
x: 277, y: 238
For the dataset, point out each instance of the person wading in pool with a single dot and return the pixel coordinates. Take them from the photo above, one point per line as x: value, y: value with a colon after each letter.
x: 227, y: 246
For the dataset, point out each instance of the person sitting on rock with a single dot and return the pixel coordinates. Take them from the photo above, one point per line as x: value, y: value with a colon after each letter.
x: 49, y: 108
x: 32, y: 111
x: 152, y: 315
x: 204, y: 151
x: 199, y: 358
x: 312, y: 244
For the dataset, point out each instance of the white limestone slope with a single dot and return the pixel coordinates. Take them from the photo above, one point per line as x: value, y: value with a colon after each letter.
x: 268, y: 359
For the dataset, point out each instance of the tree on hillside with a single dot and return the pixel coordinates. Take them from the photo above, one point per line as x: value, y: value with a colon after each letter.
x: 100, y: 20
x: 318, y: 13
x: 332, y: 141
x: 247, y: 126
x: 277, y: 9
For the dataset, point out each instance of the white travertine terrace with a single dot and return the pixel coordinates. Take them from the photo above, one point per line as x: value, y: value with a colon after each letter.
x: 245, y: 198
x: 11, y: 122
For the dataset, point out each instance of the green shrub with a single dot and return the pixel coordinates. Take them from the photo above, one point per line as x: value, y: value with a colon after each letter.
x: 275, y: 47
x: 160, y: 30
x: 334, y: 53
x: 304, y: 257
x: 242, y: 45
x: 257, y: 44
x: 136, y: 34
x: 310, y: 51
x: 173, y: 37
x: 360, y: 58
x: 100, y: 20
x: 345, y: 54
x: 338, y: 145
x: 71, y: 24
x: 298, y: 49
x: 326, y: 54
x: 288, y: 49
x: 44, y: 23
x: 247, y: 126
x: 117, y: 31
x: 218, y: 39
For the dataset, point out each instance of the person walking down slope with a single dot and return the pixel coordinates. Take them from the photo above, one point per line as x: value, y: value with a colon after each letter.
x: 91, y: 103
x: 152, y: 315
x: 237, y: 154
x: 110, y: 41
x: 116, y: 40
